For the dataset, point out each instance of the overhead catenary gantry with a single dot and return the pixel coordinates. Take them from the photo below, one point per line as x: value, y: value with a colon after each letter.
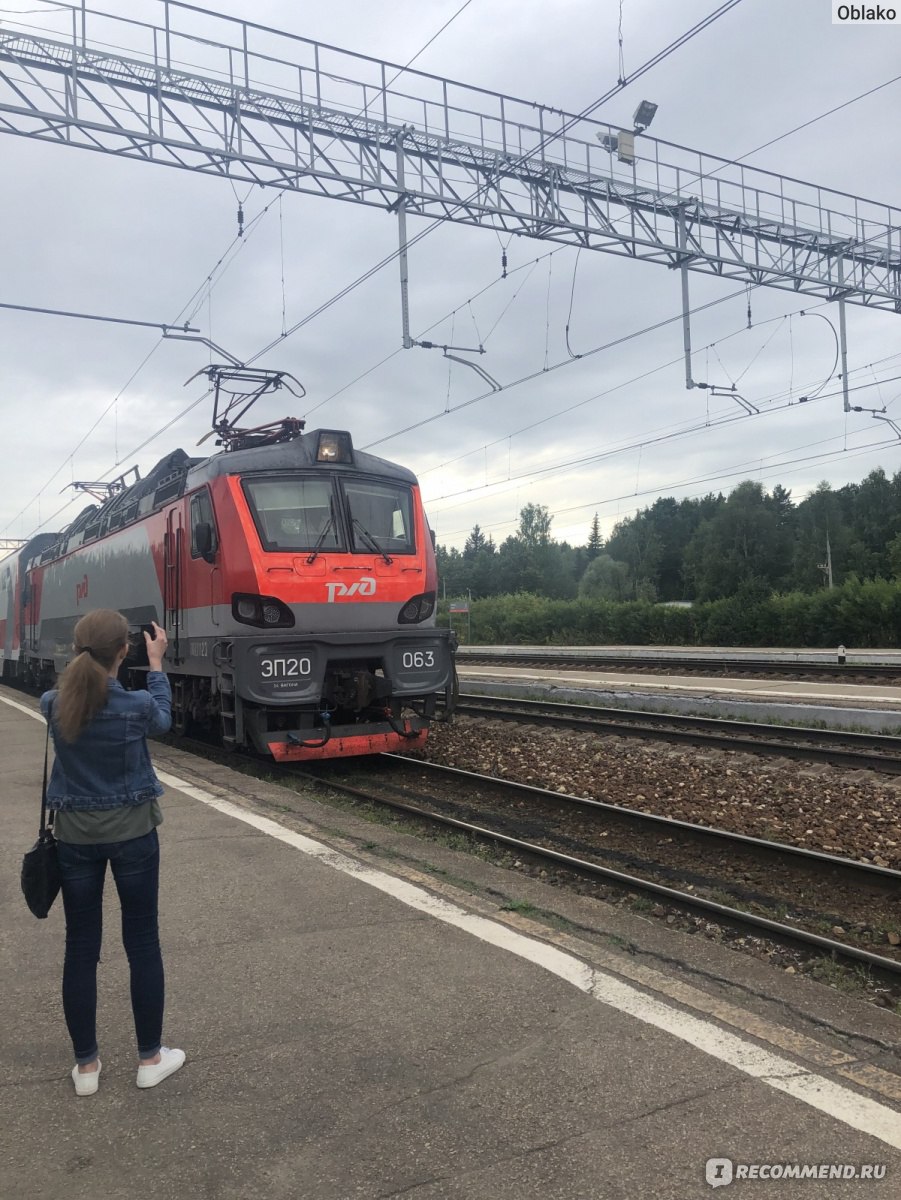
x: 235, y: 99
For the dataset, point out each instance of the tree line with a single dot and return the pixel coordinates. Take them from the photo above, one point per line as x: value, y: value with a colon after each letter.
x: 750, y: 543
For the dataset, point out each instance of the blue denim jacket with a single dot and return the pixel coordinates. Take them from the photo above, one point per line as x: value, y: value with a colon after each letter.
x: 109, y: 764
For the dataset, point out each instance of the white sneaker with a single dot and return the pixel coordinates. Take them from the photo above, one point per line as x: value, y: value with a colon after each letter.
x: 154, y: 1073
x: 86, y: 1082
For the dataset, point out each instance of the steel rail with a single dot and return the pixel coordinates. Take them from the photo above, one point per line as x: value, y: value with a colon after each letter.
x: 654, y: 725
x: 781, y: 932
x: 784, y: 933
x: 870, y: 741
x: 869, y: 872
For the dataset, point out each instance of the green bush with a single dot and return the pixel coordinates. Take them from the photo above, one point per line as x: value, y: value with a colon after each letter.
x: 857, y: 614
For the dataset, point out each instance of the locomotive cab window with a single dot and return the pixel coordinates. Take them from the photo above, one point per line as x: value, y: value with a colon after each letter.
x: 294, y: 514
x: 381, y: 516
x: 204, y: 542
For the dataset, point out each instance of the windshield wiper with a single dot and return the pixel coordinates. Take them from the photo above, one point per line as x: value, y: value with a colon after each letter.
x: 314, y: 553
x: 371, y: 542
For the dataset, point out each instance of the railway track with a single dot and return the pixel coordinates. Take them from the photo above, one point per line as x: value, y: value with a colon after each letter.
x: 861, y: 751
x: 847, y: 672
x: 783, y: 893
x: 816, y: 891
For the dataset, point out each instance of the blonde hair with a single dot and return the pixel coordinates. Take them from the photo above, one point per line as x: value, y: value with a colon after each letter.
x: 99, y: 637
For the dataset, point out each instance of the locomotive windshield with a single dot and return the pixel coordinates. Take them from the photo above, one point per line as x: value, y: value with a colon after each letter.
x: 380, y: 513
x: 324, y: 514
x: 293, y: 514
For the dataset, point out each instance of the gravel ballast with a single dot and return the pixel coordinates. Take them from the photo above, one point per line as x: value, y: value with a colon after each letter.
x: 855, y: 814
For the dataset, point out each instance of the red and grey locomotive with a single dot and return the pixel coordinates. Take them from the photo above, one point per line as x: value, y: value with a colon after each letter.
x: 295, y: 577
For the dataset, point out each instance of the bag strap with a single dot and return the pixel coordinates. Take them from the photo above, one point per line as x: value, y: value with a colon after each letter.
x: 45, y: 824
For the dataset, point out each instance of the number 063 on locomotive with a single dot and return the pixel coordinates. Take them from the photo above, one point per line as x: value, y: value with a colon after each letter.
x: 295, y: 577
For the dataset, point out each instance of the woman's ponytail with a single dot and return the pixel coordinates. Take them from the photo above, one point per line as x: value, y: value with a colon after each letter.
x: 99, y: 639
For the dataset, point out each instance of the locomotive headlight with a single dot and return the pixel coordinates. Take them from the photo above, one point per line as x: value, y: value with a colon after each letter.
x: 334, y: 446
x: 271, y: 614
x: 420, y: 608
x: 265, y: 612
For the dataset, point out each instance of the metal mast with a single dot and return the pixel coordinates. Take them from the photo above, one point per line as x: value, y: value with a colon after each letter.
x: 228, y: 97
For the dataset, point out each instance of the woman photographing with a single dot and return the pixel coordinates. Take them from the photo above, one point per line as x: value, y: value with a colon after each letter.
x: 105, y: 799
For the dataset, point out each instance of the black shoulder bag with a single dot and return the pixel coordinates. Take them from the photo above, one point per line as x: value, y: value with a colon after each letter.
x: 40, y: 866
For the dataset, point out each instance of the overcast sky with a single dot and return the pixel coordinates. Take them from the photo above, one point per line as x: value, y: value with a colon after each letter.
x: 99, y: 234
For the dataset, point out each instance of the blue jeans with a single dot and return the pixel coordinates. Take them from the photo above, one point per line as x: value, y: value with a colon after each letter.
x: 136, y: 870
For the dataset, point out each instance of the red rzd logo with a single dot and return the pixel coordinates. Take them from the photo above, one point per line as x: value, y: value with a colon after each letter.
x: 81, y: 590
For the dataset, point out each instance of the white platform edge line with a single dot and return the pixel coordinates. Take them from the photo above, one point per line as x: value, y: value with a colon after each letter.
x: 859, y: 1112
x: 29, y: 712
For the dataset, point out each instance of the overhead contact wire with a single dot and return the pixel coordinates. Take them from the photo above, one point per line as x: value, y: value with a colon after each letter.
x: 545, y: 141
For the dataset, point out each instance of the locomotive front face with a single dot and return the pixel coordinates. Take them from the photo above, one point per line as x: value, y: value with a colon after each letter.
x: 333, y: 553
x: 330, y: 615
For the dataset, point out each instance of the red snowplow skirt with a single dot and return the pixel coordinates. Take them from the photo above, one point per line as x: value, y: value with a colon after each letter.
x: 340, y: 747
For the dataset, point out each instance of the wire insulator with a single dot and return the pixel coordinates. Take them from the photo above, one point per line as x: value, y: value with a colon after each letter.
x: 503, y: 264
x: 240, y: 220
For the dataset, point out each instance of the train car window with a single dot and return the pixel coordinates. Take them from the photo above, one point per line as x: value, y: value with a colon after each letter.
x: 294, y: 514
x: 382, y: 512
x: 202, y: 514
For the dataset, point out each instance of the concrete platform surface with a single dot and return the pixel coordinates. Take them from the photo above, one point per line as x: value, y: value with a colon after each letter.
x: 778, y: 654
x: 369, y: 1015
x: 767, y: 689
x: 840, y: 705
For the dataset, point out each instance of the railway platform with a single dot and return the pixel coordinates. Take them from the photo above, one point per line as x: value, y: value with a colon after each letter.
x: 776, y: 655
x: 370, y: 1014
x: 835, y: 704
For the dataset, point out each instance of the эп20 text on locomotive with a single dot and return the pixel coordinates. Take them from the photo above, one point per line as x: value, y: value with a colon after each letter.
x: 295, y: 577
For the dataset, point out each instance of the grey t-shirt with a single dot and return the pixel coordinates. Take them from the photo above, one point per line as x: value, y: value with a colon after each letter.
x: 88, y: 826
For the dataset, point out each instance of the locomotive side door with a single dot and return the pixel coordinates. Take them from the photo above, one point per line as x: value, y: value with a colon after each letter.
x: 204, y: 566
x: 173, y: 580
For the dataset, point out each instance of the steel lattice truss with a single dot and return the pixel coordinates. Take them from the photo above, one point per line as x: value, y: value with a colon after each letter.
x: 264, y: 107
